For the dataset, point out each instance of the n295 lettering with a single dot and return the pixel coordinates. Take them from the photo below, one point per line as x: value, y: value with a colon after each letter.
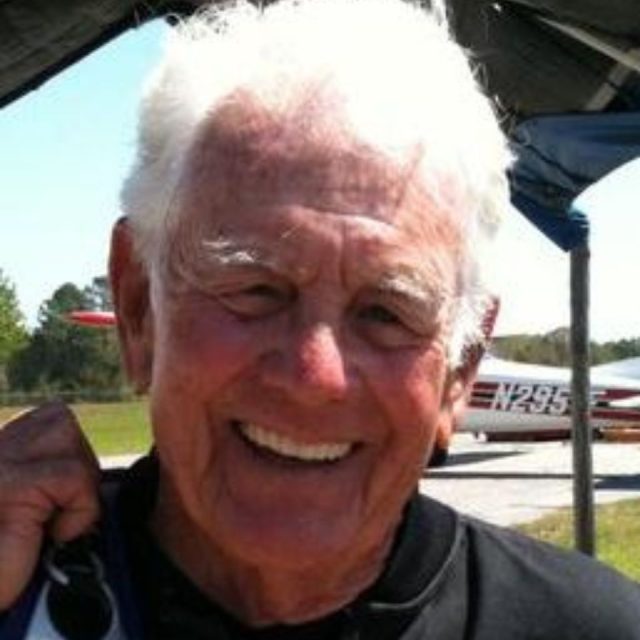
x: 531, y: 398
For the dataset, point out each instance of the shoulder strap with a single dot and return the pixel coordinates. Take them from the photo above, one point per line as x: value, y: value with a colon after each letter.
x: 82, y: 590
x: 117, y: 571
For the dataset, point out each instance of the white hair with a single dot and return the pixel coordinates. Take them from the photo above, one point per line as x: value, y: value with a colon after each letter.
x: 403, y: 84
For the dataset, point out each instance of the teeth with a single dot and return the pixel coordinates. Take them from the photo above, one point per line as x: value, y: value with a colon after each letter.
x: 326, y: 452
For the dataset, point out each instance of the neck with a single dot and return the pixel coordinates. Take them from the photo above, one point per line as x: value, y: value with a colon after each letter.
x: 263, y: 595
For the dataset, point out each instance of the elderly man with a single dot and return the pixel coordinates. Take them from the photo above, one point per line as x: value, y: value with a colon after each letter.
x: 300, y: 284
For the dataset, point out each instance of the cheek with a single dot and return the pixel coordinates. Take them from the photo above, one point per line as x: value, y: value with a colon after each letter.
x: 408, y: 390
x: 409, y: 387
x: 203, y: 348
x: 200, y: 352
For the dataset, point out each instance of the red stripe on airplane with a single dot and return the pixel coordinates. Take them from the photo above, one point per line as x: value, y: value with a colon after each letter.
x: 480, y: 403
x: 485, y: 386
x: 625, y: 415
x: 616, y: 394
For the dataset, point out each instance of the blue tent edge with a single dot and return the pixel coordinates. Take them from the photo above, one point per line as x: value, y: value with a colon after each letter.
x: 567, y: 229
x: 558, y: 157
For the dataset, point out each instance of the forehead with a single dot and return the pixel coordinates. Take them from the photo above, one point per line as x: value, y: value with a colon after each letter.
x: 247, y: 160
x: 252, y: 151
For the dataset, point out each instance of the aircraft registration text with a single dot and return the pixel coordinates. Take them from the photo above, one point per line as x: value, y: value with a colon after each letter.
x: 531, y: 398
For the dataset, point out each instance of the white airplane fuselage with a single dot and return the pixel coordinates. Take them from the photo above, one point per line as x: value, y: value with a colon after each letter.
x: 512, y: 396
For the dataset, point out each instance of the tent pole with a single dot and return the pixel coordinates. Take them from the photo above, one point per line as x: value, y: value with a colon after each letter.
x: 584, y: 519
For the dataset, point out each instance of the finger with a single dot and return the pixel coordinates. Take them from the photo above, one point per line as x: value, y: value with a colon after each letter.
x: 20, y: 542
x: 46, y: 430
x: 61, y: 495
x: 78, y: 514
x: 61, y: 469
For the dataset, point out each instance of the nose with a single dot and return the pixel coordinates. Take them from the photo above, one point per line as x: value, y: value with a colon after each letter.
x: 310, y: 366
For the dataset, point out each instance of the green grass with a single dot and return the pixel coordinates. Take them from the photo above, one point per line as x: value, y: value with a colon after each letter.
x: 112, y: 428
x: 618, y: 534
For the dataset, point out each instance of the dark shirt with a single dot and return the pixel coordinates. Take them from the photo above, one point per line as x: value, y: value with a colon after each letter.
x: 448, y: 577
x: 172, y: 607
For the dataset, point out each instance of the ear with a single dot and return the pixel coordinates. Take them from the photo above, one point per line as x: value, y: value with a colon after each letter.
x: 460, y: 384
x: 130, y: 287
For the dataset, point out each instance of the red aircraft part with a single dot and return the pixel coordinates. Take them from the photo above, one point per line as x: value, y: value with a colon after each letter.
x: 93, y: 318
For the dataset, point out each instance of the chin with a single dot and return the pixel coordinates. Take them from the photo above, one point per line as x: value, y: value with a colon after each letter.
x: 289, y: 542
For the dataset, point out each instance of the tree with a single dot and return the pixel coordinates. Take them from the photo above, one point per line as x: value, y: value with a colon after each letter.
x: 553, y: 348
x: 549, y: 349
x: 13, y: 334
x: 65, y: 357
x: 98, y: 294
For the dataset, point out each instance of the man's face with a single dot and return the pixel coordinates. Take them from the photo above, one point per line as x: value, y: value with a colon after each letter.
x: 300, y: 361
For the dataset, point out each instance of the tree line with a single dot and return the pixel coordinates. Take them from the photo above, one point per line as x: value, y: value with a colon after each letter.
x: 57, y: 357
x: 554, y: 348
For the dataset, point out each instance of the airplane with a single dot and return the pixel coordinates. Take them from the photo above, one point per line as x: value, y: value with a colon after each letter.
x: 510, y: 396
x: 92, y: 318
x: 517, y: 398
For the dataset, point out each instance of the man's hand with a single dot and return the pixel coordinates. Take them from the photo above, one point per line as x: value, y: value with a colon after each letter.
x: 48, y: 485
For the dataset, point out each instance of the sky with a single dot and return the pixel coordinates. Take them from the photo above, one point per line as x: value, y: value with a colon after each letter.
x: 533, y: 279
x: 65, y: 149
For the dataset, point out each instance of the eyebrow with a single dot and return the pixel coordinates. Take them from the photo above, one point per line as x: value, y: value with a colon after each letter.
x: 226, y: 253
x: 411, y: 286
x: 222, y: 252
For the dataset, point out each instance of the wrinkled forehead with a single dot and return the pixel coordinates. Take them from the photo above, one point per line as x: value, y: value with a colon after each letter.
x: 247, y: 155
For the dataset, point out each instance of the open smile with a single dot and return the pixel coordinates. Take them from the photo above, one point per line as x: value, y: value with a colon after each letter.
x: 268, y: 441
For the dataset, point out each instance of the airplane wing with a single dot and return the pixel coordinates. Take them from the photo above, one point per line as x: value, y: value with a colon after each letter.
x: 627, y: 368
x: 632, y: 402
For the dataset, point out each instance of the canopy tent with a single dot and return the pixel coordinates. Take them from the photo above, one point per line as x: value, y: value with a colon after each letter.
x: 560, y: 156
x: 563, y: 73
x: 533, y: 68
x: 538, y: 58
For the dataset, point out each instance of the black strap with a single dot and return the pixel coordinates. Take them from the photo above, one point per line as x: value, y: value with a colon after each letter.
x: 78, y: 601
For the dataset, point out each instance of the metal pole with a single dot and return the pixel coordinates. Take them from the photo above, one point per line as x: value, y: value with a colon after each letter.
x: 584, y: 520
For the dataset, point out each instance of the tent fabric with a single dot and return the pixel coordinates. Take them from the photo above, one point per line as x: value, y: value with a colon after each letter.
x: 568, y: 229
x: 560, y: 156
x: 531, y: 68
x: 39, y: 38
x: 545, y: 82
x: 613, y: 16
x: 528, y: 66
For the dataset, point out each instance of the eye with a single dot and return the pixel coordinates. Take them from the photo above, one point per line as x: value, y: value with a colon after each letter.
x: 392, y: 324
x: 257, y: 300
x: 262, y: 291
x: 378, y: 313
x: 383, y: 326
